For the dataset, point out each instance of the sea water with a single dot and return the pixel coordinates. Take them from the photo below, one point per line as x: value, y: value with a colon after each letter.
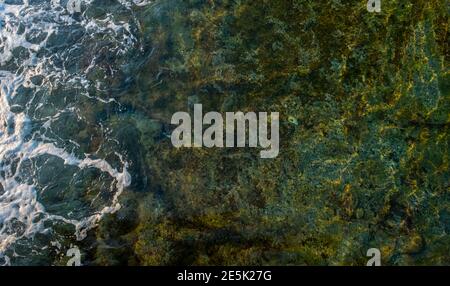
x: 53, y: 63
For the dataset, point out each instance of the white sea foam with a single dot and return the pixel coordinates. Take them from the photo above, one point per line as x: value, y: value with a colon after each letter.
x: 21, y: 214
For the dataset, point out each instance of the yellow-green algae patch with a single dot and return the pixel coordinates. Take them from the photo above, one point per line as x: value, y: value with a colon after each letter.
x: 364, y: 157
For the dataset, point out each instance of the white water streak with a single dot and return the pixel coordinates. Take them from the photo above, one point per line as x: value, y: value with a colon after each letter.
x: 18, y: 200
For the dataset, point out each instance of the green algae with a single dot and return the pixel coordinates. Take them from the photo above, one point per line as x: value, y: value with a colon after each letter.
x: 366, y: 166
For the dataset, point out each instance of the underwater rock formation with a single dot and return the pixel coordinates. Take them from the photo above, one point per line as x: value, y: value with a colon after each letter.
x: 364, y: 157
x: 364, y: 104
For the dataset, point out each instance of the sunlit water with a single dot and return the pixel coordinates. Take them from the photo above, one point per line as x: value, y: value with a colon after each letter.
x: 53, y: 63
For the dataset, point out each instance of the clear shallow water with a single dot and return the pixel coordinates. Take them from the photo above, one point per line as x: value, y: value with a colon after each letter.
x: 58, y: 164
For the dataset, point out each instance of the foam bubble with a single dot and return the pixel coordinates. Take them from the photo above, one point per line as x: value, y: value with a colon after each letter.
x: 24, y: 54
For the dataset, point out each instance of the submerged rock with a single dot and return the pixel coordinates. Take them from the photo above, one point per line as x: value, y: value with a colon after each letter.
x: 364, y: 104
x: 371, y: 113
